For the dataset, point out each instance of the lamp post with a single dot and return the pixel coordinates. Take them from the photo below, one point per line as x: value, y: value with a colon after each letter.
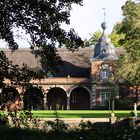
x: 0, y: 90
x: 135, y: 110
x: 112, y: 106
x: 1, y: 86
x: 1, y: 97
x: 1, y: 80
x: 112, y: 101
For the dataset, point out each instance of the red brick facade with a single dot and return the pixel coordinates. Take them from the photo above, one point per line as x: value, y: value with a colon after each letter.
x: 82, y: 82
x: 87, y: 92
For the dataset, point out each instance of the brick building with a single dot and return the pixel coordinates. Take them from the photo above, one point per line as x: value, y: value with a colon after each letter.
x: 81, y: 83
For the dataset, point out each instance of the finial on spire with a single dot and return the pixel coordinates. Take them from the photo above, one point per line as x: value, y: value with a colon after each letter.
x: 103, y: 25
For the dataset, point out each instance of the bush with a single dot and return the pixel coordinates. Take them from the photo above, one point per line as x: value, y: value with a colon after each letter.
x: 19, y: 119
x: 56, y: 125
x: 124, y: 104
x: 85, y: 131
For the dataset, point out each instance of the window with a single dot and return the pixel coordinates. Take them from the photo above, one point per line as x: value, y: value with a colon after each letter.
x: 103, y: 98
x: 73, y: 97
x: 105, y: 74
x: 105, y: 71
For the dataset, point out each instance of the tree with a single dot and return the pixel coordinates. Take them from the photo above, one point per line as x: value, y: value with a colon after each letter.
x: 33, y: 98
x: 15, y: 74
x: 131, y: 27
x: 41, y: 19
x: 93, y: 39
x: 114, y: 36
x: 128, y: 69
x: 9, y: 94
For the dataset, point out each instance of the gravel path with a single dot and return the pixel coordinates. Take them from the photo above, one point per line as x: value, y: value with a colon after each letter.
x: 76, y: 121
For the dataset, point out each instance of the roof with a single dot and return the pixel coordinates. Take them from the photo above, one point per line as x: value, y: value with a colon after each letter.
x: 76, y: 64
x: 104, y: 49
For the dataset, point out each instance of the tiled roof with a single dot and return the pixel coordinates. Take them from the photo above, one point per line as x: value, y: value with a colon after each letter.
x: 76, y: 64
x: 104, y: 49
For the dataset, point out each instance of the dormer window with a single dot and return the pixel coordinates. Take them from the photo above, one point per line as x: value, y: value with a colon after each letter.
x: 104, y: 51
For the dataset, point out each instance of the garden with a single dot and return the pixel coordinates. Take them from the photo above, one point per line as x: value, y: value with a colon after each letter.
x: 27, y: 125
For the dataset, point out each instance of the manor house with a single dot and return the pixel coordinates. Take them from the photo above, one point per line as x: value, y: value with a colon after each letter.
x: 82, y: 81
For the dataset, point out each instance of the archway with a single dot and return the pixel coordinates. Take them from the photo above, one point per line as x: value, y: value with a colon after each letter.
x: 79, y: 99
x: 56, y: 99
x: 9, y: 94
x: 33, y: 98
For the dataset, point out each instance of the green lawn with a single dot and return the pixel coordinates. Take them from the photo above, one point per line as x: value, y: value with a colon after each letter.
x: 81, y: 113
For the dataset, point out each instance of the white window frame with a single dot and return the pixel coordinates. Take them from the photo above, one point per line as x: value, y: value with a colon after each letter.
x: 103, y: 101
x: 104, y: 74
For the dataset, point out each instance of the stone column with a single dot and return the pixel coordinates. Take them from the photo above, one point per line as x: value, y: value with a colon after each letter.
x: 135, y: 109
x: 116, y: 91
x: 68, y: 102
x: 45, y: 101
x: 93, y: 97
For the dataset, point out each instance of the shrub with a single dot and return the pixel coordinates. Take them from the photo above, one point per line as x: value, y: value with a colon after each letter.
x: 124, y: 104
x: 19, y: 119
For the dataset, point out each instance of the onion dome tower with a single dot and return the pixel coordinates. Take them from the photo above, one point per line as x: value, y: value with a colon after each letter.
x: 104, y: 49
x: 103, y: 64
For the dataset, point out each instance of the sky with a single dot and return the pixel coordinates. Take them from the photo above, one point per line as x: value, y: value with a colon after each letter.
x: 86, y: 19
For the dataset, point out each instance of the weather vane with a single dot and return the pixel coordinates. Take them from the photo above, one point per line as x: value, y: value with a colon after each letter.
x: 104, y: 13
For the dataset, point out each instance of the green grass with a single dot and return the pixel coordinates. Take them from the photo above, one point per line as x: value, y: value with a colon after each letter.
x: 81, y: 113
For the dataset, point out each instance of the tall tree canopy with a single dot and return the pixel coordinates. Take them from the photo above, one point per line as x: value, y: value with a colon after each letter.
x: 42, y: 20
x: 92, y: 41
x: 114, y: 36
x: 129, y: 65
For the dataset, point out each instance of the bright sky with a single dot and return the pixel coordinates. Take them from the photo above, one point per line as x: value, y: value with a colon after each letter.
x: 87, y: 19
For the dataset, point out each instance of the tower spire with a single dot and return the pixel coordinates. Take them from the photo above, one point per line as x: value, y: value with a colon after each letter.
x: 104, y: 49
